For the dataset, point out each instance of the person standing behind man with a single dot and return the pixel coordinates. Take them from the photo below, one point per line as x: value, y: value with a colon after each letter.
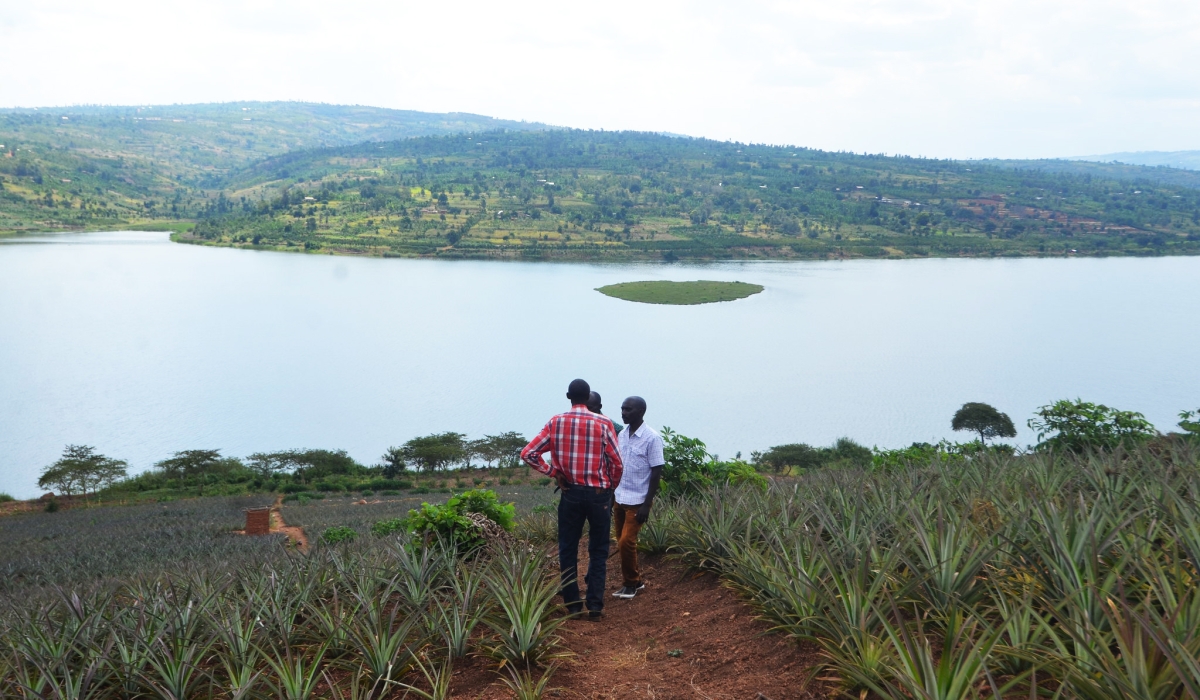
x: 642, y: 457
x: 587, y: 466
x: 595, y: 405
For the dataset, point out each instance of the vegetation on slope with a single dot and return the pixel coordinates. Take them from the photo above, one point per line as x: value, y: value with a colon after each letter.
x: 582, y: 194
x: 282, y: 176
x: 105, y: 167
x: 667, y: 292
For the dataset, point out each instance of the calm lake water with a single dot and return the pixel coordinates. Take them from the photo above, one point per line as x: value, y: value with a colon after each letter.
x: 142, y: 347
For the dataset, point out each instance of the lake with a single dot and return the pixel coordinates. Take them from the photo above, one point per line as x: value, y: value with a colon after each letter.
x: 142, y: 347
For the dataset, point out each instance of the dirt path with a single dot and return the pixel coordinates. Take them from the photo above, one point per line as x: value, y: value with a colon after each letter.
x: 684, y: 636
x: 295, y: 533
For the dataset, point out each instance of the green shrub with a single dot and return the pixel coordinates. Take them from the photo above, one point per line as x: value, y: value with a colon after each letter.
x: 444, y: 523
x: 919, y: 454
x: 1189, y: 421
x: 5, y: 498
x: 383, y: 528
x: 381, y: 484
x: 843, y: 453
x: 1075, y: 426
x: 449, y: 523
x: 389, y: 492
x: 293, y: 488
x: 339, y: 534
x: 404, y: 484
x: 421, y: 489
x: 368, y: 493
x: 738, y: 473
x: 329, y: 486
x: 487, y: 503
x: 52, y: 506
x: 690, y: 468
x: 544, y: 481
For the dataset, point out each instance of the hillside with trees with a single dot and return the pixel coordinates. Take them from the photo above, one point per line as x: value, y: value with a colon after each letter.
x: 287, y: 180
x: 97, y: 167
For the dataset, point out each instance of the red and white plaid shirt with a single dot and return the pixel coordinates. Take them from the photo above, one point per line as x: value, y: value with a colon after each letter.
x: 582, y: 445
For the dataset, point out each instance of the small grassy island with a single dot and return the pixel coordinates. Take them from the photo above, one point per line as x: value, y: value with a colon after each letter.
x: 664, y: 292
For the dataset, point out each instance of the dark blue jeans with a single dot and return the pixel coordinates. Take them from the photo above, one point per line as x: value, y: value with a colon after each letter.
x: 578, y: 505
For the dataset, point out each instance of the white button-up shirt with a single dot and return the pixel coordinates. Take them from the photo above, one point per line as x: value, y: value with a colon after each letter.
x: 640, y: 452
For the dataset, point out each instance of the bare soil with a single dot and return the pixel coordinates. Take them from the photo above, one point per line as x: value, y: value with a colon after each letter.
x: 683, y: 636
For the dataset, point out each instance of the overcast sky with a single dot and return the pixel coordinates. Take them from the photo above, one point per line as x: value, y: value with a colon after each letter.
x: 994, y: 78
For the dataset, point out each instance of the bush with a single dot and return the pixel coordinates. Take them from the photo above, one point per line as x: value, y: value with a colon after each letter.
x: 366, y: 492
x: 919, y: 454
x: 329, y: 486
x: 449, y: 522
x: 383, y: 528
x: 381, y: 484
x: 1075, y: 426
x: 52, y: 506
x: 293, y: 488
x: 5, y: 498
x: 443, y: 523
x: 843, y: 453
x: 738, y: 473
x: 487, y: 503
x: 690, y: 468
x: 1189, y: 421
x: 389, y: 492
x: 337, y: 535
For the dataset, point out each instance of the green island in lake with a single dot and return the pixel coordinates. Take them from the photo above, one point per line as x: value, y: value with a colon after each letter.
x: 680, y: 293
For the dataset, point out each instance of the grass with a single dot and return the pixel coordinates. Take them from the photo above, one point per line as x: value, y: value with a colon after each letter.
x: 5, y: 498
x: 683, y: 293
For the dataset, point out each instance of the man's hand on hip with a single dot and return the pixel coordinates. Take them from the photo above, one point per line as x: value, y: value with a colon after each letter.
x: 561, y: 480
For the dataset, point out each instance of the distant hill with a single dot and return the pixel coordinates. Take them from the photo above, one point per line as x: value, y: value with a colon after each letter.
x: 573, y: 194
x: 131, y: 162
x: 361, y: 180
x: 1186, y: 160
x: 1120, y: 172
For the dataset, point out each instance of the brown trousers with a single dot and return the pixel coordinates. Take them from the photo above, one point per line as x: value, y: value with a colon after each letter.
x: 625, y: 529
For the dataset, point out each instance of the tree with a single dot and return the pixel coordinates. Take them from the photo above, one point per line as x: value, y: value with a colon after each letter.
x: 1076, y: 426
x: 81, y: 470
x: 781, y: 457
x: 189, y: 463
x: 503, y: 450
x: 435, y: 452
x: 394, y: 463
x: 307, y: 465
x: 983, y: 419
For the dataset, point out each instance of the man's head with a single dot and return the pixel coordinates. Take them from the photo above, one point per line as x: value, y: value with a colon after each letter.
x: 633, y: 410
x: 594, y: 404
x: 578, y: 392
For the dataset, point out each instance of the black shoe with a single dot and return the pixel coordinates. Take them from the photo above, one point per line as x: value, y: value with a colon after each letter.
x: 628, y: 592
x: 594, y: 615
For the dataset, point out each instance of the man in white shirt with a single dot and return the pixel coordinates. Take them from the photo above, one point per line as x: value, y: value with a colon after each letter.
x: 642, y: 455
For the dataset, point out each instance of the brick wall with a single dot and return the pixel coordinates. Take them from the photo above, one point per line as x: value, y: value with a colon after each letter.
x: 258, y: 521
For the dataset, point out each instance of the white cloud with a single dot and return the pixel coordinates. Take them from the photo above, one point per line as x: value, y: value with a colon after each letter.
x: 925, y: 77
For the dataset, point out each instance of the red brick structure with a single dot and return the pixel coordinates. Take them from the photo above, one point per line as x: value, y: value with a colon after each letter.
x: 258, y: 521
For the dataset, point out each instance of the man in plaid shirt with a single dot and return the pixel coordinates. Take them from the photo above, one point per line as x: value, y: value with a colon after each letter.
x: 585, y: 462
